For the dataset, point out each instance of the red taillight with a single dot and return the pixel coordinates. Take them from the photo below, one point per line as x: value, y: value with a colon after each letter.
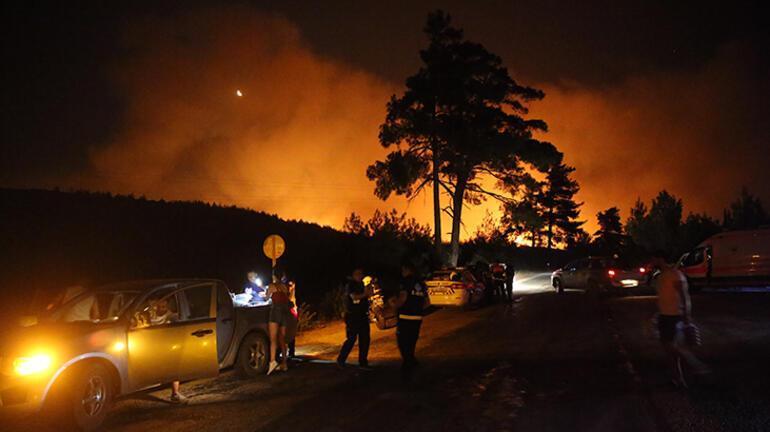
x: 611, y: 273
x: 642, y: 269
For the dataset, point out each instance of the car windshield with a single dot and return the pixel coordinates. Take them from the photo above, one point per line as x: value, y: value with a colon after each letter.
x: 88, y: 306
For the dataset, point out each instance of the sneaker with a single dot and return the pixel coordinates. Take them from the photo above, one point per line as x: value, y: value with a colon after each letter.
x: 273, y: 366
x: 340, y: 365
x: 365, y: 367
x: 283, y: 367
x: 178, y: 398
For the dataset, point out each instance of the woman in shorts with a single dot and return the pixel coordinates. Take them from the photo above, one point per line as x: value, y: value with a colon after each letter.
x: 278, y: 293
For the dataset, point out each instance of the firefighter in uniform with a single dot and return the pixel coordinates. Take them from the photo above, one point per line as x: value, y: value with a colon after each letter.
x: 356, y: 320
x: 411, y: 302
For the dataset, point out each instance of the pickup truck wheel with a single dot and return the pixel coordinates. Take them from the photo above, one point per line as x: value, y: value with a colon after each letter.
x: 253, y: 355
x: 82, y: 398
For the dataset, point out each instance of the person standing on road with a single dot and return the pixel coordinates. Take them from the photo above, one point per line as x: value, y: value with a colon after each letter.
x: 510, y: 275
x: 294, y: 309
x: 498, y: 276
x: 356, y: 320
x: 411, y: 302
x: 278, y: 293
x: 674, y: 308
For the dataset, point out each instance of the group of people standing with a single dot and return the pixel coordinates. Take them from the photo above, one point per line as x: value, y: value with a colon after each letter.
x: 281, y: 293
x: 410, y: 301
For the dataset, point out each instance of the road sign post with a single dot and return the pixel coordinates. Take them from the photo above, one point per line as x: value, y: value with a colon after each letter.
x: 274, y: 246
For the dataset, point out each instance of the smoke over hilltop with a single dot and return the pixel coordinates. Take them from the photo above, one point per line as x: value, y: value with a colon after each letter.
x: 296, y: 143
x: 298, y: 140
x: 700, y: 134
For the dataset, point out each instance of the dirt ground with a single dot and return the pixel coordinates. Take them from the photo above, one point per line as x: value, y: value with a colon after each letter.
x: 548, y: 362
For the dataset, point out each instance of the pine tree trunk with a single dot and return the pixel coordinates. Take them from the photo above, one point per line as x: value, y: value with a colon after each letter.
x: 550, y: 228
x: 457, y: 211
x: 436, y: 206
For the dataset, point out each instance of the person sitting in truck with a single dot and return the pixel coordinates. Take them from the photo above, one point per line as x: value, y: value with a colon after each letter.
x: 161, y: 313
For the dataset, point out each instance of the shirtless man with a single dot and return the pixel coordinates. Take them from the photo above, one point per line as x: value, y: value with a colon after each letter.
x: 674, y: 307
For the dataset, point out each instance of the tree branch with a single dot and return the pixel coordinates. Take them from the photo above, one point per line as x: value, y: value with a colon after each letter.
x: 418, y: 190
x: 446, y: 187
x: 476, y: 188
x: 449, y: 211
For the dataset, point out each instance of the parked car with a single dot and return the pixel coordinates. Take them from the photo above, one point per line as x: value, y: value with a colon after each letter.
x: 454, y: 287
x: 90, y: 347
x: 729, y: 258
x: 603, y: 273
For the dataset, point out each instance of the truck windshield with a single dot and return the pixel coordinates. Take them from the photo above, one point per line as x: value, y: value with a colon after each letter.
x: 95, y: 307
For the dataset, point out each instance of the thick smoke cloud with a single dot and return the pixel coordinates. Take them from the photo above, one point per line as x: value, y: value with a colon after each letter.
x: 298, y: 142
x: 701, y: 134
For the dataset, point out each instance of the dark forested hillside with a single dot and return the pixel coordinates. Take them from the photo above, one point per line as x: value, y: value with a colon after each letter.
x: 52, y: 239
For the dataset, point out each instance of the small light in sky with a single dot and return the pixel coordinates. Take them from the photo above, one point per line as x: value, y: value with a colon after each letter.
x: 239, y: 93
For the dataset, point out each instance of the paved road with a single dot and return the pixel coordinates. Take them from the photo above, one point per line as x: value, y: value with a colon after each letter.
x: 575, y: 362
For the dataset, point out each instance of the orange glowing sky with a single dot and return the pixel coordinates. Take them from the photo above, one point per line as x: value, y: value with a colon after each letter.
x: 298, y: 141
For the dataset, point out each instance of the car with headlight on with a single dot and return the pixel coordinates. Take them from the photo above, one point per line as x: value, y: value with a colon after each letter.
x: 91, y: 345
x: 454, y: 287
x: 599, y: 273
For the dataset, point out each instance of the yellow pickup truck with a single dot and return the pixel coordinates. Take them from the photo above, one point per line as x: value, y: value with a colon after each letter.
x: 73, y: 359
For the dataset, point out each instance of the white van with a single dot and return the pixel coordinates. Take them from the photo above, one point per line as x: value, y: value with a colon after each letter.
x: 741, y: 257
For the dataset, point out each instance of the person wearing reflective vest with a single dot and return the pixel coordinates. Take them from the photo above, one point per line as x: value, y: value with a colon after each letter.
x: 411, y: 302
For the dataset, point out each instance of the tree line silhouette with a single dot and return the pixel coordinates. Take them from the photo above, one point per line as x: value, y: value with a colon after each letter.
x: 53, y: 239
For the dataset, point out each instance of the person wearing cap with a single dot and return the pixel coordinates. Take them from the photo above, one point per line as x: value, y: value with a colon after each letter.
x: 411, y: 302
x: 356, y: 320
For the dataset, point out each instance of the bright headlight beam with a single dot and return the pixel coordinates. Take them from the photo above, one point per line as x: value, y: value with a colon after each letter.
x: 31, y: 365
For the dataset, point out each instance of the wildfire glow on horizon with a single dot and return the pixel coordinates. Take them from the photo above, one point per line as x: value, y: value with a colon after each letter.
x: 300, y: 148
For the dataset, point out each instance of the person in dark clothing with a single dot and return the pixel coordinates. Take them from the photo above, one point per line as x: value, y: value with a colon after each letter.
x: 294, y: 311
x: 356, y: 320
x: 497, y: 276
x: 411, y: 302
x: 509, y: 277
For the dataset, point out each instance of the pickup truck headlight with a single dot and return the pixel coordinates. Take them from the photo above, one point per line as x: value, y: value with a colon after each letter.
x: 31, y: 365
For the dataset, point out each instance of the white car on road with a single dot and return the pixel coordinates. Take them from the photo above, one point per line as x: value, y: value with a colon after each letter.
x: 454, y: 287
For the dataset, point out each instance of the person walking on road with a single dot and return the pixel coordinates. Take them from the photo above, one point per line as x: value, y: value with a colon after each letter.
x: 674, y: 308
x: 411, y: 302
x: 356, y: 320
x: 278, y: 292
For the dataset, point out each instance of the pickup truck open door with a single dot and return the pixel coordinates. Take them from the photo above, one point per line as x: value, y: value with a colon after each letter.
x: 172, y: 336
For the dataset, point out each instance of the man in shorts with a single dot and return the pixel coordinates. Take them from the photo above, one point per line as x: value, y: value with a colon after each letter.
x: 674, y: 308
